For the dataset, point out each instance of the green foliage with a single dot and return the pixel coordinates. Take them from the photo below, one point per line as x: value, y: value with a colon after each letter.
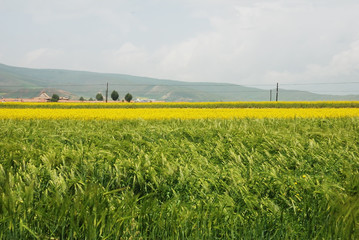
x: 55, y: 98
x: 99, y: 97
x: 115, y: 95
x: 176, y: 179
x: 82, y: 98
x: 128, y: 97
x: 91, y: 99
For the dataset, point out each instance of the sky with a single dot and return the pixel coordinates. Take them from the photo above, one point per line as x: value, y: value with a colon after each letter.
x: 249, y: 42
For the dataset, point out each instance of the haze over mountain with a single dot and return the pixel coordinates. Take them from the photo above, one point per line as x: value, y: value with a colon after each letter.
x: 18, y: 82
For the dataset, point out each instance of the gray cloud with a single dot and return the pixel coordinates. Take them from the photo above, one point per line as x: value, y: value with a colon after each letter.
x: 242, y: 42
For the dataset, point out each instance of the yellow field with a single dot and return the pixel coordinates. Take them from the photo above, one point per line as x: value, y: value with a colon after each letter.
x: 289, y: 104
x: 176, y: 113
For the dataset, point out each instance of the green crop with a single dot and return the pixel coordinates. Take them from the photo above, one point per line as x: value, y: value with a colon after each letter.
x: 179, y: 179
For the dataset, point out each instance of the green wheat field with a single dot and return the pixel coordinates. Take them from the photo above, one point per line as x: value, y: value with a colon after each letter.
x: 180, y: 179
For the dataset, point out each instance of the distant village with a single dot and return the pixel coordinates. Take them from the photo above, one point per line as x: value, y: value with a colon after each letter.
x: 42, y: 97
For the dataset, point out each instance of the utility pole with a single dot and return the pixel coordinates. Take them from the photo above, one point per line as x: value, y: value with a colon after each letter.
x: 106, y: 91
x: 270, y: 95
x: 276, y: 95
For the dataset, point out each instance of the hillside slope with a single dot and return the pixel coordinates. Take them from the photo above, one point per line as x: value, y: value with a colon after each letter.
x: 26, y: 83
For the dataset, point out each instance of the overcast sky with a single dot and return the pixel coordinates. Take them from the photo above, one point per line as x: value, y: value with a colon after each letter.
x: 236, y: 41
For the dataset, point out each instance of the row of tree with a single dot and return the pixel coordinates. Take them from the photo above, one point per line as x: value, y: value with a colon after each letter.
x: 114, y: 96
x: 99, y: 97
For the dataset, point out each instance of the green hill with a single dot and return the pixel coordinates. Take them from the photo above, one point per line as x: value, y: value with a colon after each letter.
x: 19, y: 82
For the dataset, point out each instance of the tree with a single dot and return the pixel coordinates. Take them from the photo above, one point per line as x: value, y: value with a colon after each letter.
x: 114, y: 95
x: 91, y: 99
x: 128, y: 97
x: 99, y: 97
x: 55, y: 98
x: 82, y: 98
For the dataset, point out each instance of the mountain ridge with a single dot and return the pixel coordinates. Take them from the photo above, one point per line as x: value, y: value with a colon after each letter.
x: 22, y: 82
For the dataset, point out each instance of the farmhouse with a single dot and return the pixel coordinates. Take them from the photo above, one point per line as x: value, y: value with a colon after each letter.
x: 43, y: 97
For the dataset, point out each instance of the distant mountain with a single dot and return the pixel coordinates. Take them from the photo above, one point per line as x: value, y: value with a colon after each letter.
x: 17, y: 82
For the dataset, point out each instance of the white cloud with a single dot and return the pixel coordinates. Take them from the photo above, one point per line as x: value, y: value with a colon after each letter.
x: 43, y: 57
x: 346, y: 62
x: 342, y: 68
x: 128, y: 58
x: 88, y: 14
x: 254, y: 43
x: 265, y: 43
x: 242, y: 41
x: 342, y: 64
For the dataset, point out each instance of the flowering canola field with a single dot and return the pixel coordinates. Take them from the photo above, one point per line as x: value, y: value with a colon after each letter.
x: 175, y: 113
x: 280, y: 104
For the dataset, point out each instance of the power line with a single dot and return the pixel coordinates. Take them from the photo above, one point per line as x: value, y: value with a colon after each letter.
x: 198, y: 84
x: 182, y: 85
x: 322, y: 83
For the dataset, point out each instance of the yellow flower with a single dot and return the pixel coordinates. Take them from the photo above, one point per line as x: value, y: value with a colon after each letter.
x: 304, y: 176
x: 174, y: 113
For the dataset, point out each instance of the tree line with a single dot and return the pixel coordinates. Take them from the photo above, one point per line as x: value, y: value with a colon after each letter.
x: 99, y: 97
x: 114, y: 96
